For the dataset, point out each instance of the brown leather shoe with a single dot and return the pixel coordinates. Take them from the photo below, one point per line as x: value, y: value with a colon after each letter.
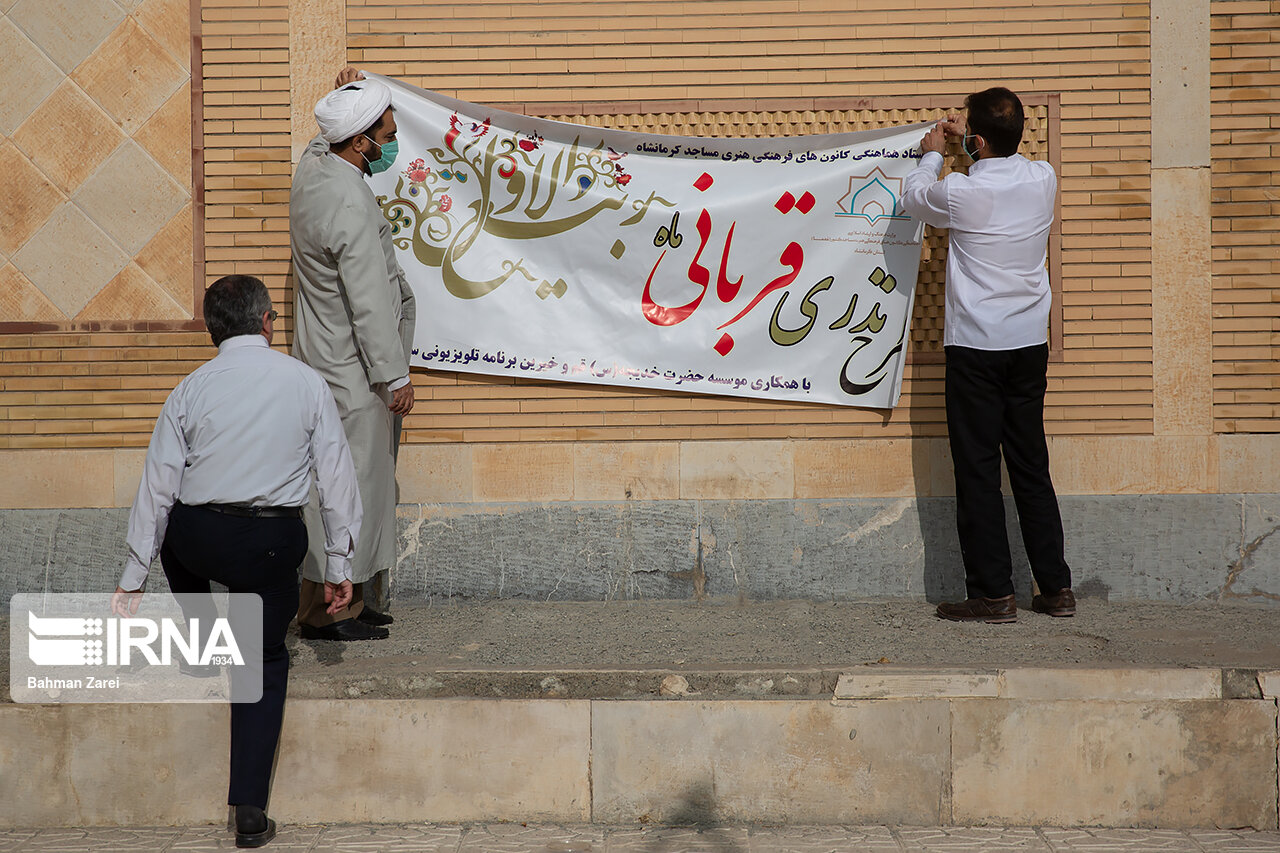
x: 1061, y: 603
x: 994, y: 611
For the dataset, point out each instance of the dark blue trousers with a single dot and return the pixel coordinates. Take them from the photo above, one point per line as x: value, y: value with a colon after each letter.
x: 255, y: 555
x: 995, y: 404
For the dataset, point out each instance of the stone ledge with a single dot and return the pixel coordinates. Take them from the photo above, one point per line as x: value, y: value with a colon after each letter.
x: 1119, y: 684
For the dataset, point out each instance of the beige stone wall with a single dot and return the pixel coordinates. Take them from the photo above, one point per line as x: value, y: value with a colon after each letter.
x: 1166, y: 139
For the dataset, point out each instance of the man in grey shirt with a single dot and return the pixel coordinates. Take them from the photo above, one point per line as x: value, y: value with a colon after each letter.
x: 228, y: 470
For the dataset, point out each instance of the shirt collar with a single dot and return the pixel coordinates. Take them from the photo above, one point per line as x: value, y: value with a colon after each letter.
x: 989, y: 163
x: 241, y: 341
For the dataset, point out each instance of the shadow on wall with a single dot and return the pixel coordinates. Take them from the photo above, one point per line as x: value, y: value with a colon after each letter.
x: 943, y: 566
x: 696, y: 810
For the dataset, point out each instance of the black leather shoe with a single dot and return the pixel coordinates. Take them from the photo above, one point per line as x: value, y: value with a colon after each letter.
x: 347, y: 629
x: 994, y: 611
x: 253, y: 827
x: 1061, y: 603
x: 369, y: 616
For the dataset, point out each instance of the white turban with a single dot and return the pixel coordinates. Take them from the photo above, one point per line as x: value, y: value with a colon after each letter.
x: 353, y: 109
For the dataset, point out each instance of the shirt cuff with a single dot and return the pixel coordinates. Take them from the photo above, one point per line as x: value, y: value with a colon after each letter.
x: 337, y: 568
x: 397, y: 384
x: 134, y: 575
x: 932, y: 159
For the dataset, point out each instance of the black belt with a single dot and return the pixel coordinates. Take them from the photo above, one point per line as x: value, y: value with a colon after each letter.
x: 246, y: 511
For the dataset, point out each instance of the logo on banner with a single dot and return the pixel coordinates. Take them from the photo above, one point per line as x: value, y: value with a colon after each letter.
x: 873, y: 197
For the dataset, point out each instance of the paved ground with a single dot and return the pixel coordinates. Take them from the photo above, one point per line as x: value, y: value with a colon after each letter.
x: 515, y: 838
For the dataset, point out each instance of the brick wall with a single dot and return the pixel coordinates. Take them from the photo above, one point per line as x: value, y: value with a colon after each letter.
x: 1246, y: 203
x: 1094, y: 54
x: 98, y: 382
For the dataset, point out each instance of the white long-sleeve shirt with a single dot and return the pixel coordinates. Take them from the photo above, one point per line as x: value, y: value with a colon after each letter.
x: 999, y: 216
x: 247, y: 427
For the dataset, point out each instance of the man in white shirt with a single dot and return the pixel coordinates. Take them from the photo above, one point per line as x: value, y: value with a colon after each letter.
x: 354, y: 320
x: 227, y: 472
x: 996, y: 343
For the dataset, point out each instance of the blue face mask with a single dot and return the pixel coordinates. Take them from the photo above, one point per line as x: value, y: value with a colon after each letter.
x: 964, y: 143
x: 386, y: 156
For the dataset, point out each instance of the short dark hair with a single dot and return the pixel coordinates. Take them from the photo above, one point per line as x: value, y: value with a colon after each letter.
x: 996, y: 115
x: 234, y: 305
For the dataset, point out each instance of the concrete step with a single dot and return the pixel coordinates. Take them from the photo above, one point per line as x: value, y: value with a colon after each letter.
x: 931, y: 755
x: 498, y: 712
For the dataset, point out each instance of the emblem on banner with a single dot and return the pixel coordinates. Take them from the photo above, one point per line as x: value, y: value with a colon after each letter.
x: 873, y: 197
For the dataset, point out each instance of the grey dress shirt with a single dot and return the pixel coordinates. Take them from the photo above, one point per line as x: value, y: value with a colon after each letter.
x: 248, y: 427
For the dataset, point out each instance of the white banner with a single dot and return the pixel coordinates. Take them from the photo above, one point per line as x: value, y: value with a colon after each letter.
x: 780, y: 269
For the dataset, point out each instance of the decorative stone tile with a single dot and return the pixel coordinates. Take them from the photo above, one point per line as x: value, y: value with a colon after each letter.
x: 68, y: 158
x: 70, y: 259
x: 711, y: 839
x: 132, y: 295
x: 144, y: 840
x: 824, y: 839
x: 289, y: 839
x: 13, y: 840
x: 518, y: 838
x: 67, y: 30
x: 20, y: 300
x: 130, y: 76
x: 377, y: 838
x: 131, y: 197
x: 1235, y: 841
x: 168, y: 259
x: 167, y: 136
x: 169, y: 22
x: 978, y: 840
x: 27, y: 201
x: 1107, y: 840
x: 28, y: 74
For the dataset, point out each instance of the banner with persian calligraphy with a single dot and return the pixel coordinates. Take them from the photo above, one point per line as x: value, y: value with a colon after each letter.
x: 780, y: 268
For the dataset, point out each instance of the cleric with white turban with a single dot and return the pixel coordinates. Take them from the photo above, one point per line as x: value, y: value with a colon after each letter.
x: 353, y: 323
x: 352, y: 109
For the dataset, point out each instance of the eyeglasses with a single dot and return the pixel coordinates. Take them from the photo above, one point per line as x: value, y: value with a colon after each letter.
x: 272, y: 314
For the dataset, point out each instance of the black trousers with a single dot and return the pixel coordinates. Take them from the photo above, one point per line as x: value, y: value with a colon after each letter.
x: 995, y: 403
x: 255, y: 555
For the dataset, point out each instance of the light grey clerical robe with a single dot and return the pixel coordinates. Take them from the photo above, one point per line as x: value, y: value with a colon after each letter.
x: 353, y: 316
